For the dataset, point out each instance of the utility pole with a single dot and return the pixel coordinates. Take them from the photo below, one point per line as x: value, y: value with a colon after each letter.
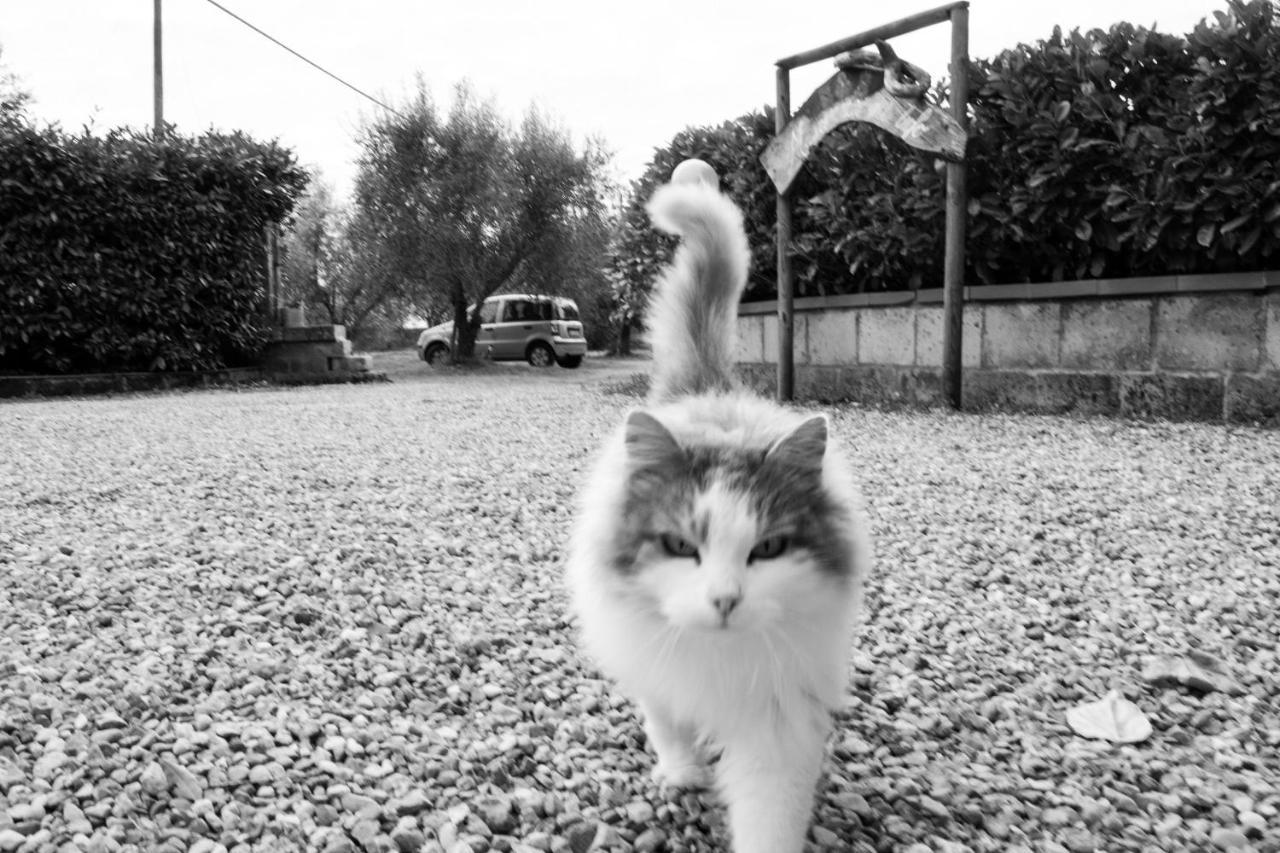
x: 158, y: 125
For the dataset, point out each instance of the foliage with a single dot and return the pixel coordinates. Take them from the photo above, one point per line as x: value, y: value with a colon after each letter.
x: 450, y: 209
x: 306, y: 247
x: 1110, y: 153
x: 13, y: 98
x: 127, y: 253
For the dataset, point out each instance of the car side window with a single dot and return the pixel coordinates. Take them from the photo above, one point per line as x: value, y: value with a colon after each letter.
x: 489, y: 312
x: 542, y: 309
x: 517, y: 311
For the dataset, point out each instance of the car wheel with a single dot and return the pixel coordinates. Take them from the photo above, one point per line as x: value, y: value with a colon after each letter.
x: 436, y: 355
x: 569, y: 361
x: 540, y: 355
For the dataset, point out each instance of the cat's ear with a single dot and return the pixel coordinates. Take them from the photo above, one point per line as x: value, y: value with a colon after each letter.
x: 803, y: 448
x: 649, y: 443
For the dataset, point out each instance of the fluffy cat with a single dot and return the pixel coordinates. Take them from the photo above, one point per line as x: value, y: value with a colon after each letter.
x: 717, y: 558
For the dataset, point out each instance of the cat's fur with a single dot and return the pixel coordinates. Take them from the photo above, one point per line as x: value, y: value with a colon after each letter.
x: 731, y: 650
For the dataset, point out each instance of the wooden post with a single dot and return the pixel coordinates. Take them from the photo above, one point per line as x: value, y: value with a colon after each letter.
x: 157, y: 127
x: 271, y: 245
x: 786, y: 276
x: 957, y: 207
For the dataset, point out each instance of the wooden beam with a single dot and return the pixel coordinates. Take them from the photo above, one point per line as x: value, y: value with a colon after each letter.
x: 786, y: 276
x: 957, y: 209
x: 909, y: 24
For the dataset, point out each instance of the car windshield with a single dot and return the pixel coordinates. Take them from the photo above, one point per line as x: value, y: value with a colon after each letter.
x: 567, y: 311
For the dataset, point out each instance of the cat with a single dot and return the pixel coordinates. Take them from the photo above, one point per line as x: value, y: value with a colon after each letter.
x: 718, y: 555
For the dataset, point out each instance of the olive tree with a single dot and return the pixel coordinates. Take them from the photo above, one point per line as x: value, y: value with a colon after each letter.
x: 459, y: 206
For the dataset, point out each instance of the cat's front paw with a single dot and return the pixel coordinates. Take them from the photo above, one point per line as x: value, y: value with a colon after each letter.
x: 686, y: 777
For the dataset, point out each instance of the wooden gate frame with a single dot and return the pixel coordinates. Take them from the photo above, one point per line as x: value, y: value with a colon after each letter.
x: 956, y: 203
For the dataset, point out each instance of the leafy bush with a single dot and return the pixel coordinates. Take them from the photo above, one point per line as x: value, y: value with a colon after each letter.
x: 1112, y: 153
x: 127, y: 253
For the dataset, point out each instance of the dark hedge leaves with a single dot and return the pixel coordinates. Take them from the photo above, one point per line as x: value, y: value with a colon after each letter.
x: 126, y: 253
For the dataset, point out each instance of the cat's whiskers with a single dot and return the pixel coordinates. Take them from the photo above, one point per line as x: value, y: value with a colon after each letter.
x: 666, y: 654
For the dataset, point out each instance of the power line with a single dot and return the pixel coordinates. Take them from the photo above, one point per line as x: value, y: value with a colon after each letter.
x: 314, y: 65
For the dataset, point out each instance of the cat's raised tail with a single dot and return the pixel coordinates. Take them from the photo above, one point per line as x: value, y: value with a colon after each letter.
x: 692, y: 315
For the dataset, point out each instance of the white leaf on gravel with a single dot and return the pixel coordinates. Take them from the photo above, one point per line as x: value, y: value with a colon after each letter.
x: 1112, y: 718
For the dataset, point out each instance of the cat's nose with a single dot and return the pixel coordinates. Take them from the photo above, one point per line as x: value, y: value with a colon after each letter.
x: 725, y: 604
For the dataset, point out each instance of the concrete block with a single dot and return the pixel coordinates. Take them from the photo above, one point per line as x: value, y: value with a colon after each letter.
x: 833, y: 337
x: 929, y: 336
x: 761, y: 378
x: 1221, y: 331
x: 887, y: 336
x: 988, y: 390
x: 769, y: 337
x: 1272, y: 335
x: 302, y: 356
x: 1070, y: 392
x: 1110, y: 334
x: 818, y: 383
x: 311, y: 333
x: 751, y: 338
x: 1021, y: 334
x: 1041, y: 392
x: 1171, y: 396
x: 351, y: 363
x: 1253, y: 398
x: 926, y: 387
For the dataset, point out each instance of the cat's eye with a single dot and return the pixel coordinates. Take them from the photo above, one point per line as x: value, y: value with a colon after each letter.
x: 678, y: 546
x: 767, y: 549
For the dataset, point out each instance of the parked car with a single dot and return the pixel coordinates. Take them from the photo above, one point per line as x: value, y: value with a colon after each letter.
x: 540, y: 329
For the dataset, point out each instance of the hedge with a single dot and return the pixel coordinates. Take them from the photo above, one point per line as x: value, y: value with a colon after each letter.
x: 122, y: 252
x: 1111, y: 153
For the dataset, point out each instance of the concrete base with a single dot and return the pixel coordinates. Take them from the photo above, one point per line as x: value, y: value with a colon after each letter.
x: 311, y: 351
x: 116, y: 383
x: 1236, y: 398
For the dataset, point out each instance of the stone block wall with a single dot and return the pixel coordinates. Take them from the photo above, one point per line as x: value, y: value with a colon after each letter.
x: 1181, y: 348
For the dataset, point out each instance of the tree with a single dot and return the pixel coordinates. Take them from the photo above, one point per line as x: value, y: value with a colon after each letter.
x: 305, y: 274
x: 455, y: 208
x: 13, y: 99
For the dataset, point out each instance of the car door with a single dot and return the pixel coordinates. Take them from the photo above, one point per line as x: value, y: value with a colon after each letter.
x: 488, y: 326
x: 515, y: 324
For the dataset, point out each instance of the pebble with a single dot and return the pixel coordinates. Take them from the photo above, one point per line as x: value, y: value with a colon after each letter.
x: 824, y: 837
x: 935, y: 808
x: 153, y: 780
x: 581, y: 836
x: 413, y: 803
x: 640, y: 813
x: 1253, y: 823
x: 24, y: 812
x: 1228, y: 839
x: 498, y: 813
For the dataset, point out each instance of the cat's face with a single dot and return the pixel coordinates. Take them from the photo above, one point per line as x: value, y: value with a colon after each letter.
x: 722, y: 538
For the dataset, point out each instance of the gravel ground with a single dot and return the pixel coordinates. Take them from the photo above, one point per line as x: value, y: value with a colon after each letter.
x: 331, y: 618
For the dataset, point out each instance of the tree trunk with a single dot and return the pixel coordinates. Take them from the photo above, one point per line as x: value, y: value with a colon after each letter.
x: 464, y: 333
x: 624, y: 338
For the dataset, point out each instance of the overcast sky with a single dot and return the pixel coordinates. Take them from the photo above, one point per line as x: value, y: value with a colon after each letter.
x: 632, y: 74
